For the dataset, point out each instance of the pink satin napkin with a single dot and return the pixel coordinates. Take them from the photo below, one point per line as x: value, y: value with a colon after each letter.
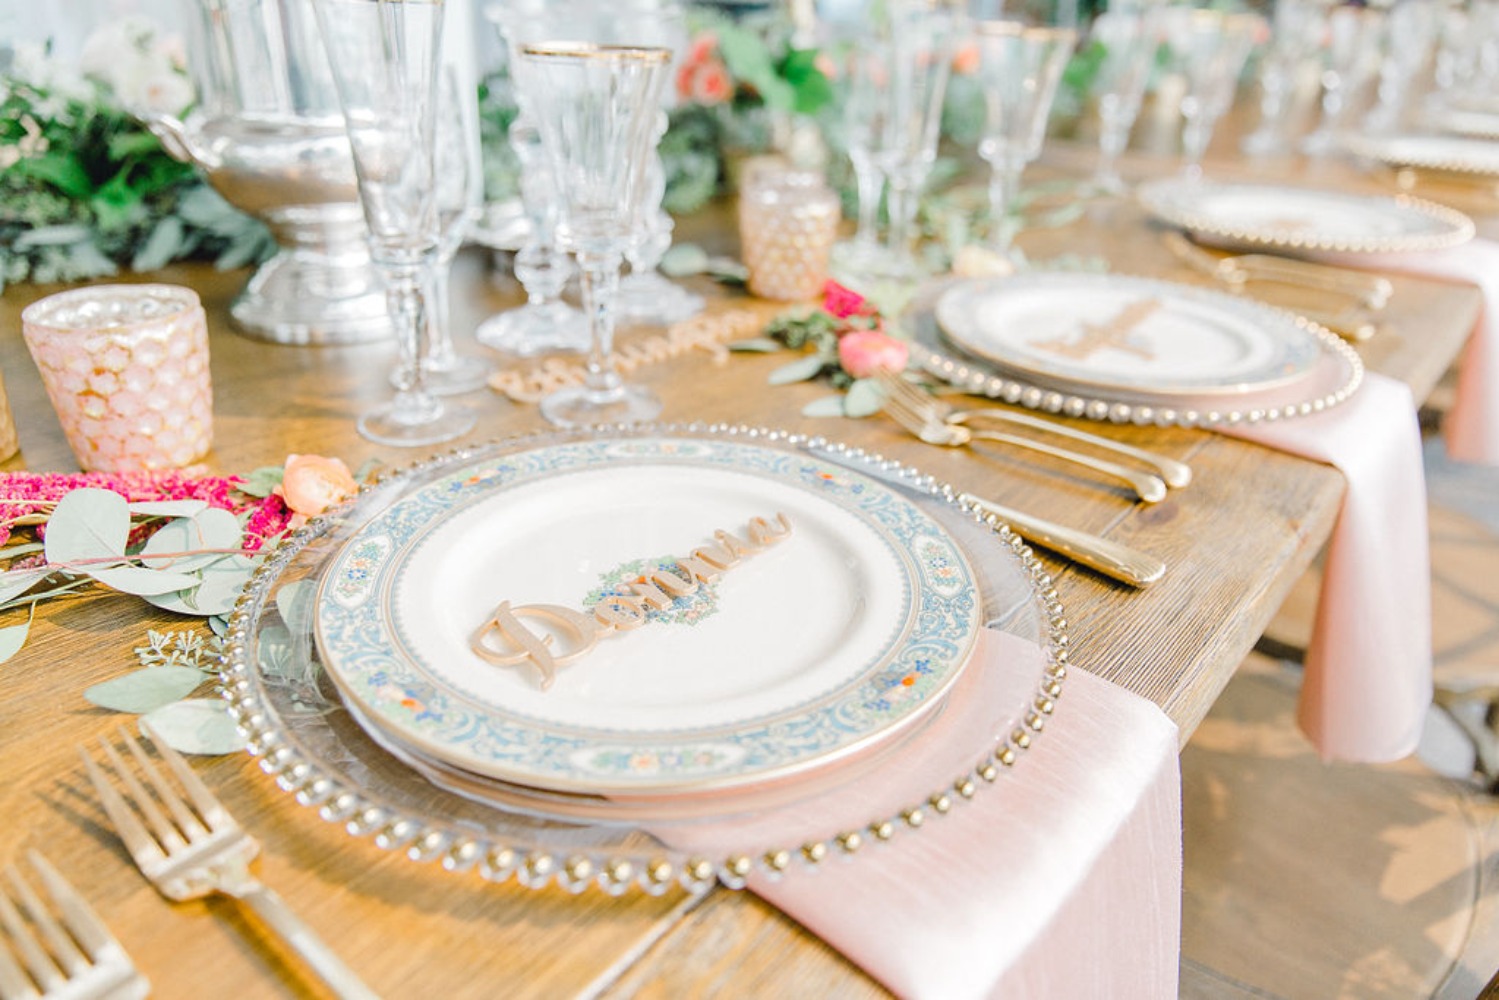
x: 1471, y: 428
x: 1368, y: 680
x: 1061, y: 880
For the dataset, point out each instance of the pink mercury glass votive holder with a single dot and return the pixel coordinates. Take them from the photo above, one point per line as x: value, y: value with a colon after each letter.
x: 126, y: 368
x: 788, y: 221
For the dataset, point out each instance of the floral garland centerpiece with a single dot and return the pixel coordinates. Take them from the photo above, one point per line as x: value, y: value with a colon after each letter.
x: 184, y: 543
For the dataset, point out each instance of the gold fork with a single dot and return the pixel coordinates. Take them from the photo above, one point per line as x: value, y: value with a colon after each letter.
x: 1175, y: 474
x: 923, y: 422
x: 199, y: 849
x: 70, y: 954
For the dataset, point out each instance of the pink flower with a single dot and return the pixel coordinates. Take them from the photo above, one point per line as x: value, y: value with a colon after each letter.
x: 965, y: 61
x: 864, y: 352
x: 311, y: 484
x: 707, y: 83
x: 701, y: 49
x: 844, y: 302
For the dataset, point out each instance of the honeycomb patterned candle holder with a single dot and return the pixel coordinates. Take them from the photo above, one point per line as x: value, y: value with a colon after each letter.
x: 126, y: 368
x: 788, y: 220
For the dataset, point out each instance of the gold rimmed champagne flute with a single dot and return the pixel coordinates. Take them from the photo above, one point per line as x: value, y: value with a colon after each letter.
x: 384, y: 55
x: 598, y: 108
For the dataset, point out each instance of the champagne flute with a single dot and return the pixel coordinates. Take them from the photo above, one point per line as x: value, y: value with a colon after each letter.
x: 598, y: 109
x: 1021, y: 66
x: 384, y: 55
x: 1129, y: 35
x: 448, y: 372
x: 912, y: 43
x: 1210, y: 48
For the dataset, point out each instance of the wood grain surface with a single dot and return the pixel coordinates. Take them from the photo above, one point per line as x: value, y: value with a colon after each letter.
x: 1235, y: 541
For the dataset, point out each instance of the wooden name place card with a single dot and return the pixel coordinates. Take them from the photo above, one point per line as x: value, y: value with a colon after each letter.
x: 505, y: 639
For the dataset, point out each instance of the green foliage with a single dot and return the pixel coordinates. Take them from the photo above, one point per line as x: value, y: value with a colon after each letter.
x: 86, y: 189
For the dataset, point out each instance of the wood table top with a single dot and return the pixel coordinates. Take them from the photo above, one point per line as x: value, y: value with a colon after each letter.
x: 1235, y: 541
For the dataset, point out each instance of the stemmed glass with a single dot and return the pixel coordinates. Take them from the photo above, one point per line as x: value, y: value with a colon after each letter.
x: 645, y: 294
x: 859, y: 70
x: 1128, y: 34
x: 448, y: 372
x: 384, y: 56
x: 1296, y: 35
x: 1411, y: 27
x: 598, y: 108
x: 910, y: 47
x: 1210, y: 48
x: 1020, y: 66
x: 1351, y: 59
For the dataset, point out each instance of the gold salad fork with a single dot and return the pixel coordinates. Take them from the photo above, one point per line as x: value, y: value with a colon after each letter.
x: 199, y: 849
x: 1175, y: 474
x: 69, y: 953
x: 922, y: 420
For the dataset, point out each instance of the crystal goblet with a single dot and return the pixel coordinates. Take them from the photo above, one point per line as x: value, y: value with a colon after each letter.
x: 1020, y: 66
x: 597, y: 107
x: 1128, y: 35
x: 384, y: 55
x: 1209, y: 49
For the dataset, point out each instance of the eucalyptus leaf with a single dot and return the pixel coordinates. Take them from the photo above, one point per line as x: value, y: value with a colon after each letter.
x: 865, y: 397
x: 13, y: 637
x: 756, y: 345
x: 209, y: 528
x: 145, y: 690
x: 219, y: 625
x: 16, y: 582
x: 799, y: 370
x: 168, y: 508
x: 827, y: 406
x: 197, y: 726
x: 683, y: 260
x: 162, y: 247
x: 222, y: 582
x: 294, y: 604
x: 262, y: 481
x: 140, y: 580
x: 88, y: 524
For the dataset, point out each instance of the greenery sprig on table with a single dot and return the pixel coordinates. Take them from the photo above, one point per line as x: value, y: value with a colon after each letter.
x: 85, y: 188
x: 185, y: 544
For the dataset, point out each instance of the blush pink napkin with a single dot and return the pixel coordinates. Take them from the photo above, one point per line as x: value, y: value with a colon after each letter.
x: 1368, y: 668
x: 1471, y: 428
x: 1061, y: 880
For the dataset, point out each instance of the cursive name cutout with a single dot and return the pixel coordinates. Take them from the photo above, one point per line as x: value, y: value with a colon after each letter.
x: 507, y: 638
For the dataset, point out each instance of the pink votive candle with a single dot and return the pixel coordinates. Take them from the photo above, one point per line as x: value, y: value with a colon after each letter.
x: 126, y: 368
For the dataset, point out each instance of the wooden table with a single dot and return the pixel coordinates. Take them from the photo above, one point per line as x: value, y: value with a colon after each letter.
x: 1235, y: 540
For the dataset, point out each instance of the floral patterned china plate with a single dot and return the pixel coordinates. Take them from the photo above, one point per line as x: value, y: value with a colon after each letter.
x: 808, y: 647
x: 1304, y: 219
x: 1134, y: 336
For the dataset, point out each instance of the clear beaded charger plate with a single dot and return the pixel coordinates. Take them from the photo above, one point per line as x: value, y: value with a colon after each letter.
x: 1304, y: 219
x: 1453, y: 154
x: 1267, y: 364
x: 305, y: 735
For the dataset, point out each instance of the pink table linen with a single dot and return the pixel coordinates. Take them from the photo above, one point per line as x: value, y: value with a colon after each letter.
x: 1368, y: 677
x: 1471, y: 428
x: 1062, y: 880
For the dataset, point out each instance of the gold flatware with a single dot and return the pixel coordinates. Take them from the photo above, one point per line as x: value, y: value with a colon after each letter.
x: 61, y: 951
x: 1369, y: 290
x: 199, y: 849
x: 1352, y: 324
x: 1175, y: 474
x: 1118, y: 562
x: 923, y: 423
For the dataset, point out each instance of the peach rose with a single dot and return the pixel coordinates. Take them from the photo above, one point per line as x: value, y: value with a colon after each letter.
x: 965, y: 61
x: 864, y: 352
x: 310, y: 484
x: 707, y: 83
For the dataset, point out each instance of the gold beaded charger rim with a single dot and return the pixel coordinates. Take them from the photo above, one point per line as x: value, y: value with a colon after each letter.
x: 1285, y: 217
x: 1339, y: 373
x: 295, y: 727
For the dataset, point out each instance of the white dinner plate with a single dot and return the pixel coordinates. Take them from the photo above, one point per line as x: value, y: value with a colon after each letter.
x: 1136, y: 336
x: 1449, y: 153
x: 807, y: 650
x: 1306, y: 219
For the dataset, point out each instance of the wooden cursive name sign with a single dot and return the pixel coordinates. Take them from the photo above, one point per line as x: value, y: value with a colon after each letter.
x: 505, y: 639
